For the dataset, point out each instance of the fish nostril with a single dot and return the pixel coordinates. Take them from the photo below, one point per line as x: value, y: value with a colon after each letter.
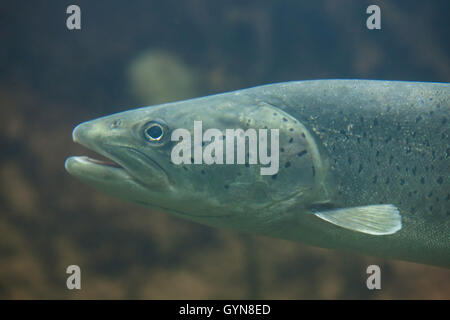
x: 116, y: 123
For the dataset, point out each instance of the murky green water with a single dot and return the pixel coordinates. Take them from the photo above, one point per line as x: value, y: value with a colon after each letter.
x: 145, y: 52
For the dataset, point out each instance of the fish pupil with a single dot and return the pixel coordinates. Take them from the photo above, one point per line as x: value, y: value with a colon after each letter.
x: 155, y: 132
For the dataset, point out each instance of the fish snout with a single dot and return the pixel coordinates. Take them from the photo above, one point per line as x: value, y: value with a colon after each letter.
x: 85, y: 133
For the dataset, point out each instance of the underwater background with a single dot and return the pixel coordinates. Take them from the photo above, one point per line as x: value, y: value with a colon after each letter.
x: 136, y: 53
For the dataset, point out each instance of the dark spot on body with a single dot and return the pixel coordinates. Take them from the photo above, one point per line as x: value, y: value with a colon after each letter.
x: 303, y: 135
x: 285, y: 120
x: 302, y: 153
x: 291, y: 139
x: 291, y: 129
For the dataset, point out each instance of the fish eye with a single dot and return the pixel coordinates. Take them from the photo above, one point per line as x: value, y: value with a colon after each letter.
x: 154, y: 131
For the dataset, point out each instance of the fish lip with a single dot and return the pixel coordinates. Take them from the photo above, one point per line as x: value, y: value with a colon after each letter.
x: 115, y: 164
x: 97, y: 162
x: 152, y: 162
x: 110, y: 162
x: 85, y: 168
x: 103, y: 163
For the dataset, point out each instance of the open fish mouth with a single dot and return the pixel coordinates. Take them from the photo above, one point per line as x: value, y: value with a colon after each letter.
x: 99, y: 165
x: 90, y: 168
x: 105, y: 162
x: 113, y: 160
x: 98, y: 158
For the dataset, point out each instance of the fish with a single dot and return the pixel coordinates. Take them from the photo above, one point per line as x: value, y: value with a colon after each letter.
x: 363, y: 165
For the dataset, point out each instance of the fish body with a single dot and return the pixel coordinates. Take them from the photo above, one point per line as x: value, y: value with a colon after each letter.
x: 363, y: 165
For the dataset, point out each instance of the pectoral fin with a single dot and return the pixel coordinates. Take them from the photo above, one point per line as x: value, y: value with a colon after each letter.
x: 374, y: 219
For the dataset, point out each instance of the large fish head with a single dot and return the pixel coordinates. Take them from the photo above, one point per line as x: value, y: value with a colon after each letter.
x: 140, y: 144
